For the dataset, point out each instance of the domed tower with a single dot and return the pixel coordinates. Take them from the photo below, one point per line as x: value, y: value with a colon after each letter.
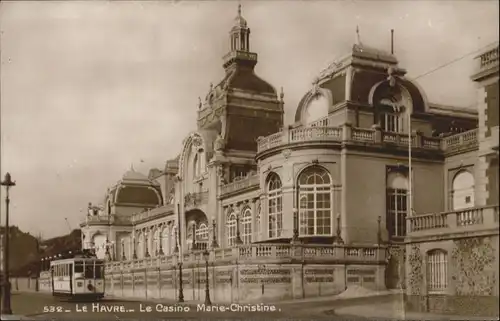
x: 242, y: 106
x: 133, y: 193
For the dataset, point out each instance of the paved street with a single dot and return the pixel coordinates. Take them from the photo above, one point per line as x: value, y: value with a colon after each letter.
x: 43, y: 306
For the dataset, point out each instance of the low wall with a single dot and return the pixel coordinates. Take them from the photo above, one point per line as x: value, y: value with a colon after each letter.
x: 251, y: 273
x: 469, y: 274
x: 24, y: 284
x: 244, y: 282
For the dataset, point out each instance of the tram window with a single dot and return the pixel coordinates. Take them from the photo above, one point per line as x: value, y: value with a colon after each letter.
x: 78, y: 267
x: 99, y: 271
x: 89, y: 270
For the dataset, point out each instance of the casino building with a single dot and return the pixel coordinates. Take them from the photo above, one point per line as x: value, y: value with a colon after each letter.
x: 330, y: 201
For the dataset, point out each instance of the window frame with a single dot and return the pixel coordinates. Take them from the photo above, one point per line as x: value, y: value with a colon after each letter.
x: 321, y: 184
x: 274, y: 206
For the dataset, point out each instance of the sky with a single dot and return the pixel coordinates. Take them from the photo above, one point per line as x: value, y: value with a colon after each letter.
x: 89, y: 88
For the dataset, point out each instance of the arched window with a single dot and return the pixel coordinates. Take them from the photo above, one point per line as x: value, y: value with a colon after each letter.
x: 100, y: 243
x: 315, y: 203
x: 196, y: 165
x: 231, y: 229
x: 396, y: 204
x: 140, y: 246
x: 463, y: 191
x: 275, y: 206
x: 437, y: 271
x: 393, y: 117
x: 156, y: 243
x: 202, y: 236
x: 165, y: 240
x: 246, y: 226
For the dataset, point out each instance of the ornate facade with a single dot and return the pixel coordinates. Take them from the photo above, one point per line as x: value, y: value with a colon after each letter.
x: 335, y: 184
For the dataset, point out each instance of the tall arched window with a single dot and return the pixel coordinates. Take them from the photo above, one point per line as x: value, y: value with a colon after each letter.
x: 463, y: 191
x: 156, y: 243
x: 315, y: 203
x: 202, y: 236
x: 140, y: 246
x: 275, y: 206
x: 396, y: 204
x: 437, y: 271
x: 231, y: 229
x: 246, y: 226
x: 165, y: 240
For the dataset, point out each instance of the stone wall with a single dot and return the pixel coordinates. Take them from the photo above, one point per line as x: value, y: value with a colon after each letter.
x: 472, y: 276
x: 23, y: 284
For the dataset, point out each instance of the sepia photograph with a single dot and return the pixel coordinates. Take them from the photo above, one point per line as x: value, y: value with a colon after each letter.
x: 249, y: 160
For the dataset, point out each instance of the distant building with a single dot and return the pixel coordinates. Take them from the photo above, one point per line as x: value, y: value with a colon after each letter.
x: 338, y: 178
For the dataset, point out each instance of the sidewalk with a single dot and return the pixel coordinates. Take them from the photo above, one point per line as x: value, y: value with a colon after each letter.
x: 395, y: 311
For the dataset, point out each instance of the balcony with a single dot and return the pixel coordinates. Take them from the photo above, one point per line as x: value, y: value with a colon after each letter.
x: 374, y: 136
x: 105, y: 220
x: 463, y: 221
x: 486, y: 63
x: 268, y: 253
x: 460, y: 142
x: 243, y: 184
x: 153, y: 213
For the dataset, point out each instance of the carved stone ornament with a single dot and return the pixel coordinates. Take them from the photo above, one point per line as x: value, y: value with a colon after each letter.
x: 196, y: 141
x: 219, y: 143
x: 287, y: 153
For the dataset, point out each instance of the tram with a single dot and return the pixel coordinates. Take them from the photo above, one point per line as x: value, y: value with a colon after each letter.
x: 78, y: 278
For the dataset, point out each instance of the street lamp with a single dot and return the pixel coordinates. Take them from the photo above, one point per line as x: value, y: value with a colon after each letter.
x: 206, y: 256
x: 6, y: 309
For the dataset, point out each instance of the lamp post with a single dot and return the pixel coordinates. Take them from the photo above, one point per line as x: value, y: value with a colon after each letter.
x: 206, y: 256
x: 6, y: 309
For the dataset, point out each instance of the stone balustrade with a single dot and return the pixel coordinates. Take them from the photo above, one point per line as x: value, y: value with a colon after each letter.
x: 152, y: 213
x: 489, y: 58
x: 475, y: 218
x: 373, y: 135
x: 244, y: 183
x: 269, y: 253
x: 105, y: 219
x: 460, y: 141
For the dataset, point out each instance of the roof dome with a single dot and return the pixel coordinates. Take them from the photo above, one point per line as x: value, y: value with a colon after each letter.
x: 239, y: 21
x: 134, y: 176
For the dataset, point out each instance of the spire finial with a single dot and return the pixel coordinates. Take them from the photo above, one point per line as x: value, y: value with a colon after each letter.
x: 239, y: 9
x: 132, y: 167
x: 282, y: 94
x: 358, y: 39
x: 199, y: 102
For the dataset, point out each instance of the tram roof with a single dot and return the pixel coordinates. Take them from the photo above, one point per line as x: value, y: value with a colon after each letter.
x: 73, y: 259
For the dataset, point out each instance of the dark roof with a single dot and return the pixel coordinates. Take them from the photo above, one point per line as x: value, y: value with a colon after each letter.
x: 143, y: 195
x: 244, y: 78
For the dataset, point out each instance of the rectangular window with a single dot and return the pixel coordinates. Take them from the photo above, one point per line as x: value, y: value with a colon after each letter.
x: 396, y: 206
x: 437, y: 271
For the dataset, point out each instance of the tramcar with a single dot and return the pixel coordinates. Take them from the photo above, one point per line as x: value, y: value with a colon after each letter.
x: 78, y: 278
